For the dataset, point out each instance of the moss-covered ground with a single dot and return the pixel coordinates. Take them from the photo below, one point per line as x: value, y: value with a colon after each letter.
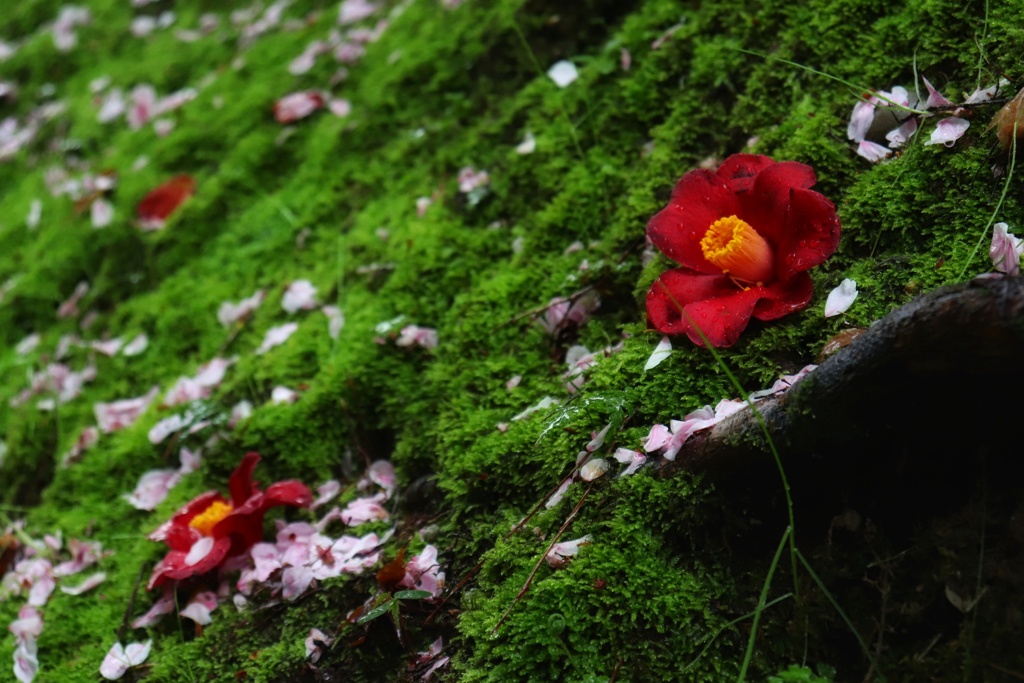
x: 333, y: 200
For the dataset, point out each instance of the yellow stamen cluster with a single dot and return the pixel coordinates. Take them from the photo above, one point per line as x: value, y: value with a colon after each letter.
x: 208, y: 518
x: 735, y: 247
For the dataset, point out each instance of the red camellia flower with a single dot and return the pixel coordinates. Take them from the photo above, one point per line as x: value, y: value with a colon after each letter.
x: 160, y: 203
x: 211, y: 529
x: 745, y: 236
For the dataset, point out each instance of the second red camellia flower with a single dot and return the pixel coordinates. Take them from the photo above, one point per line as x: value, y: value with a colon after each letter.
x: 745, y: 235
x: 211, y: 529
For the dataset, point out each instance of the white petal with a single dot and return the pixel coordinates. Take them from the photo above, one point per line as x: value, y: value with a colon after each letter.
x: 528, y: 145
x: 841, y: 298
x: 563, y: 73
x: 282, y: 395
x: 199, y: 550
x: 135, y: 346
x: 101, y: 212
x: 662, y: 351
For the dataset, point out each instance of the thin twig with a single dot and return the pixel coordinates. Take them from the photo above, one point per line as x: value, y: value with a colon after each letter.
x: 131, y: 607
x: 536, y: 567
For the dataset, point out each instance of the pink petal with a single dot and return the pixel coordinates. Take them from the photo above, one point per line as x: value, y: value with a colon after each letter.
x: 240, y: 411
x: 725, y: 408
x: 101, y: 212
x: 352, y: 11
x: 560, y: 552
x: 314, y: 641
x: 28, y: 625
x: 634, y: 459
x: 211, y: 374
x: 41, y: 589
x: 90, y: 583
x: 300, y: 295
x: 298, y: 105
x: 556, y: 497
x: 119, y: 659
x: 340, y: 107
x: 199, y: 608
x: 986, y: 94
x: 26, y: 662
x: 120, y: 414
x: 362, y: 510
x: 115, y: 664
x: 899, y: 136
x: 165, y: 427
x: 657, y: 438
x: 326, y: 492
x: 230, y: 313
x: 382, y: 473
x: 948, y: 131
x: 266, y: 559
x: 935, y: 98
x: 419, y: 336
x: 860, y: 121
x: 190, y: 461
x: 1006, y: 250
x: 165, y: 605
x: 276, y: 336
x: 295, y: 581
x: 138, y: 652
x: 872, y: 151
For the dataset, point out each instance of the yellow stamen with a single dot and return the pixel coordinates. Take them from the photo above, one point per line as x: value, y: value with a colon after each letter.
x: 735, y: 247
x: 208, y: 518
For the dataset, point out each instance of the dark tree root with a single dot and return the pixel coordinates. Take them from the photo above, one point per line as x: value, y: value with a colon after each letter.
x: 903, y: 453
x: 944, y: 370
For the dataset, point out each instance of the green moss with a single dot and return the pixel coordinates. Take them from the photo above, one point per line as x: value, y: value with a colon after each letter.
x: 333, y: 200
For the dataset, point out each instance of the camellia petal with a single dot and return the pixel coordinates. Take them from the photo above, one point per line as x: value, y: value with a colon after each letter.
x: 119, y: 659
x: 948, y: 131
x: 899, y: 136
x: 841, y: 298
x: 935, y: 98
x: 860, y: 120
x: 679, y: 300
x: 157, y: 206
x: 563, y: 73
x: 593, y: 469
x: 872, y: 151
x: 662, y: 351
x: 1006, y: 250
